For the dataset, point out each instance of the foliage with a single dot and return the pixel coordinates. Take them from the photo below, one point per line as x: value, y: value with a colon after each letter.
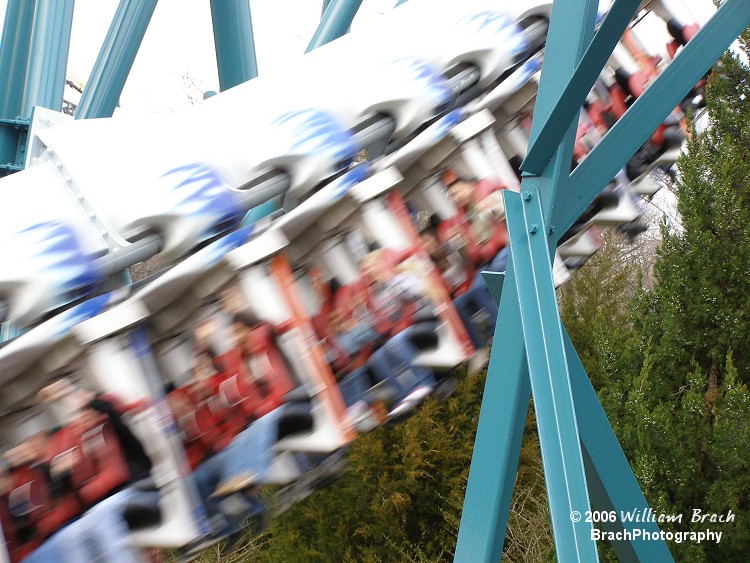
x: 402, y: 496
x: 670, y: 362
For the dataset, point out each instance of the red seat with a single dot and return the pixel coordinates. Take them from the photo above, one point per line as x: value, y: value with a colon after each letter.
x: 258, y: 380
x: 236, y: 399
x: 26, y: 503
x: 201, y: 431
x: 102, y: 468
x: 267, y: 365
x: 17, y: 549
x: 65, y: 505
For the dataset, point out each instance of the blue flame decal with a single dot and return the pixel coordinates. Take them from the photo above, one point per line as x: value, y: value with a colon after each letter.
x: 197, y: 190
x: 508, y: 34
x: 82, y: 312
x: 216, y: 250
x: 340, y: 186
x: 448, y: 122
x: 525, y: 72
x: 427, y: 78
x: 55, y: 252
x: 318, y: 132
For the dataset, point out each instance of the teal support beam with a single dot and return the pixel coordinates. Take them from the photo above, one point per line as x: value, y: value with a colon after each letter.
x: 399, y: 3
x: 14, y: 55
x: 612, y: 485
x: 564, y: 471
x: 507, y: 390
x: 325, y: 7
x: 13, y: 140
x: 568, y: 106
x: 48, y: 55
x: 235, y: 45
x: 116, y: 56
x: 566, y: 44
x: 584, y: 466
x: 335, y: 22
x: 497, y: 444
x: 651, y: 108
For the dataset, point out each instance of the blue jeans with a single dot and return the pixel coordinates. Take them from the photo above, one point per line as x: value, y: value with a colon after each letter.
x: 101, y: 534
x: 250, y: 451
x: 354, y: 386
x: 393, y: 363
x: 478, y: 298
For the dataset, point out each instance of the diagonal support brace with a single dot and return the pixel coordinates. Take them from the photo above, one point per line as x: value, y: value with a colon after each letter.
x: 568, y: 105
x: 650, y: 109
x: 548, y: 372
x: 612, y: 485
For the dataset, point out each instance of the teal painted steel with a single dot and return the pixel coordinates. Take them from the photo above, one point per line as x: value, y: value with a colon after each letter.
x: 13, y: 140
x: 119, y: 49
x: 651, y: 108
x: 399, y: 2
x: 335, y: 22
x: 568, y: 106
x: 571, y: 29
x: 14, y: 55
x: 507, y: 390
x: 497, y: 444
x: 556, y: 420
x: 48, y: 55
x: 612, y: 485
x: 235, y: 45
x: 260, y: 211
x: 494, y: 281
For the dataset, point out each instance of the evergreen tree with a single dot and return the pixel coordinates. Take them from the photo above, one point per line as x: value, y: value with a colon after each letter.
x: 402, y: 496
x: 693, y: 434
x: 670, y: 363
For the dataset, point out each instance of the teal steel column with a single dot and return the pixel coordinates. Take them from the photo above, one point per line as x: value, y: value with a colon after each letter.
x: 565, y: 47
x: 507, y: 391
x: 612, y: 485
x: 48, y: 55
x: 568, y: 106
x: 335, y: 22
x: 325, y: 7
x: 102, y: 91
x: 559, y: 441
x: 497, y: 445
x: 233, y: 38
x: 14, y: 55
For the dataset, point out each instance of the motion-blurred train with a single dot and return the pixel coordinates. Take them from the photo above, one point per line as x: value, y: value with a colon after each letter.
x: 321, y: 236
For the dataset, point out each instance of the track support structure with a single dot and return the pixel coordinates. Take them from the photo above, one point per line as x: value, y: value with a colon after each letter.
x: 116, y: 56
x: 532, y: 355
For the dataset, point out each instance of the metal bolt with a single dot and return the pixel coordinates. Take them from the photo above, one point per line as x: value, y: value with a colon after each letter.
x: 551, y: 229
x: 526, y: 196
x: 534, y: 228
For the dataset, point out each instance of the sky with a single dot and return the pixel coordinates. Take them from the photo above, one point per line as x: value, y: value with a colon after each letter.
x: 179, y: 44
x: 177, y: 58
